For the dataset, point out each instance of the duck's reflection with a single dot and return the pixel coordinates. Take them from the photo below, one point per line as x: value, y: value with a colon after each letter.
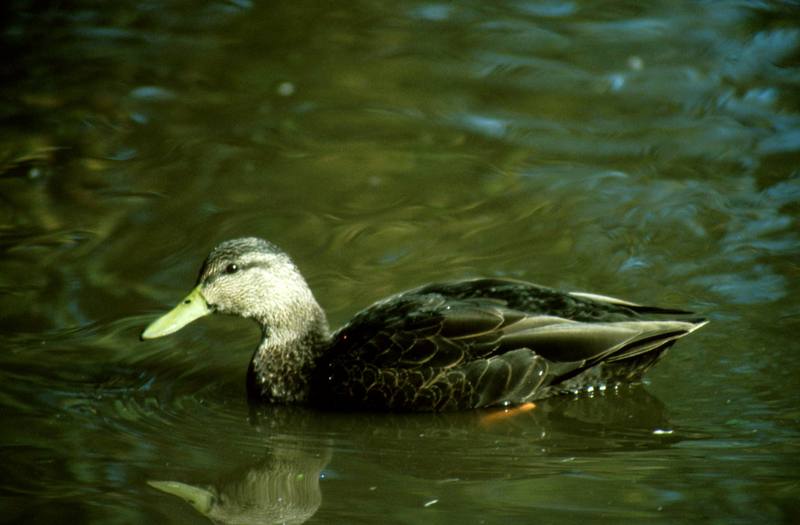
x: 284, y: 486
x: 280, y: 489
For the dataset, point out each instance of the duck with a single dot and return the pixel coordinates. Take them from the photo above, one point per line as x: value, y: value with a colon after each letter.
x: 457, y: 345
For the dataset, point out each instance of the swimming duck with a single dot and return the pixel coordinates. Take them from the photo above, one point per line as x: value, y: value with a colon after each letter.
x: 446, y: 346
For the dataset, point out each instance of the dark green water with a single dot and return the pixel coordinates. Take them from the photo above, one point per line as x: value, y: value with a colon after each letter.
x: 651, y: 153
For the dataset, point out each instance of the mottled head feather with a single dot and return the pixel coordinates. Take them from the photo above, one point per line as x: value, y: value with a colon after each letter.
x: 243, y: 251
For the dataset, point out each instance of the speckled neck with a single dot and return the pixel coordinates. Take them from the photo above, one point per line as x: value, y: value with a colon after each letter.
x: 281, y: 366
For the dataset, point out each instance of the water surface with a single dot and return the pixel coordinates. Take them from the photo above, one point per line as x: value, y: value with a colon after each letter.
x: 644, y: 151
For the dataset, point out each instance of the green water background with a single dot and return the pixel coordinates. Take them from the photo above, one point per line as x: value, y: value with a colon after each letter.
x: 643, y: 150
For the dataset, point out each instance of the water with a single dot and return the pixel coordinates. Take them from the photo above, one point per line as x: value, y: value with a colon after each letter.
x: 644, y: 151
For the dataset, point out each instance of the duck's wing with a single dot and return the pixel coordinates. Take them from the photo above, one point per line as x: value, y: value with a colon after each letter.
x: 480, y: 346
x: 627, y: 305
x: 434, y: 330
x: 535, y: 299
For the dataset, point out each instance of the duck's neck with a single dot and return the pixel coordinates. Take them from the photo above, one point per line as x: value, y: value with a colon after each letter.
x: 282, y: 365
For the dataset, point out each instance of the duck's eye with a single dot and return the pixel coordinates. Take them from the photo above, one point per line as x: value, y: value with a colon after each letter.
x: 231, y: 268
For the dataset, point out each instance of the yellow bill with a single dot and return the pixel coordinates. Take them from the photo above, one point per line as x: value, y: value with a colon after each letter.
x: 192, y: 307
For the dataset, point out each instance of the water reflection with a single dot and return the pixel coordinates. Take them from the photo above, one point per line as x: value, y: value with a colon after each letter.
x: 299, y: 446
x: 283, y: 487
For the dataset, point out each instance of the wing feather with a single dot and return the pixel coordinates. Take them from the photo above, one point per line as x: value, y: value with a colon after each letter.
x: 485, y: 342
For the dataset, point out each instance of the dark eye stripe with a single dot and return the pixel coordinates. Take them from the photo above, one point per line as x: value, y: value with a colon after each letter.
x: 232, y: 268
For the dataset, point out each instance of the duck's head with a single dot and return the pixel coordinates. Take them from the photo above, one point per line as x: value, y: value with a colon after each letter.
x: 248, y: 277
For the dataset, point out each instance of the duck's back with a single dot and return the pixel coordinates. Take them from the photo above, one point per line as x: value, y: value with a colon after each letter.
x: 486, y: 342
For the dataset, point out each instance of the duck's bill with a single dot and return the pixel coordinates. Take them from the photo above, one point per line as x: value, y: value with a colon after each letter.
x: 192, y: 307
x: 199, y: 498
